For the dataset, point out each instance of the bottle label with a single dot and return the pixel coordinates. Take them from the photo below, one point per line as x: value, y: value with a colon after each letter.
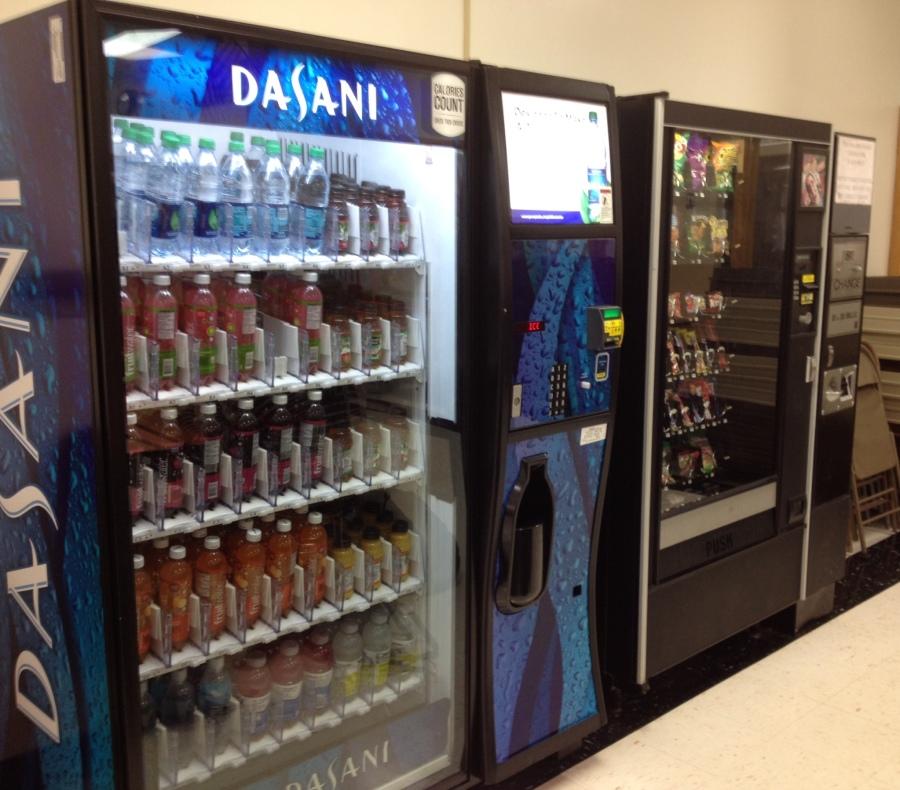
x: 346, y: 678
x: 314, y: 316
x: 200, y: 322
x: 213, y: 697
x: 240, y: 221
x: 343, y: 233
x: 372, y: 342
x: 206, y: 219
x: 128, y: 319
x: 244, y: 445
x: 316, y: 689
x: 174, y: 598
x: 212, y: 449
x: 311, y: 435
x: 371, y: 235
x: 403, y: 229
x: 166, y: 222
x: 404, y: 656
x: 313, y: 224
x: 287, y: 699
x: 248, y: 321
x: 162, y: 324
x: 278, y: 222
x: 376, y: 665
x: 249, y: 578
x: 256, y: 710
x: 211, y: 586
x: 373, y: 572
x: 394, y: 229
x: 135, y: 500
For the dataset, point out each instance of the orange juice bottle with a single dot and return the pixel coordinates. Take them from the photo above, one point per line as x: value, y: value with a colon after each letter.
x: 248, y: 565
x: 174, y: 592
x: 342, y: 554
x: 143, y: 598
x: 155, y: 559
x: 210, y: 575
x: 401, y: 543
x: 374, y: 551
x: 281, y: 554
x: 314, y: 538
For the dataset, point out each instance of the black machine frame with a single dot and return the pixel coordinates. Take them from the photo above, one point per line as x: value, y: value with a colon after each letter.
x: 101, y: 255
x: 691, y: 596
x: 491, y: 414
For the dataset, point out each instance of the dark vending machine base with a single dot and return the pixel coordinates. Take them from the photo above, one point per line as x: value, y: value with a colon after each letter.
x: 699, y: 609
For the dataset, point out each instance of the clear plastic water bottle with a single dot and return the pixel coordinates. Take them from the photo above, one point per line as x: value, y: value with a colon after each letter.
x: 295, y: 171
x: 237, y: 197
x: 273, y: 190
x: 140, y: 159
x: 203, y: 193
x: 166, y: 187
x: 256, y: 153
x: 313, y: 196
x: 185, y: 157
x: 234, y: 137
x: 118, y: 146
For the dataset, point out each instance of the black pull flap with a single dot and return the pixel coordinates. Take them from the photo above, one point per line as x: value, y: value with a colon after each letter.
x: 526, y: 537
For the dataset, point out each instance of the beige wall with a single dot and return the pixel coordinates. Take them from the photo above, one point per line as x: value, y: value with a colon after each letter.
x: 828, y: 60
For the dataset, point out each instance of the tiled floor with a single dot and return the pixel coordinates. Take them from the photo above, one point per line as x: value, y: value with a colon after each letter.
x: 822, y: 713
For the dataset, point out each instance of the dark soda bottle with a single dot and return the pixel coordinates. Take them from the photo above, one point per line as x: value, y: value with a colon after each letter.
x: 243, y: 441
x: 278, y: 436
x: 204, y: 446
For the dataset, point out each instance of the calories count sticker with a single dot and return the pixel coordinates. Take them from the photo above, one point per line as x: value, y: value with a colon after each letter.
x: 448, y: 105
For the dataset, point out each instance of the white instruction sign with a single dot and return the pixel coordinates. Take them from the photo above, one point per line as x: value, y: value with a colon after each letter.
x: 854, y: 173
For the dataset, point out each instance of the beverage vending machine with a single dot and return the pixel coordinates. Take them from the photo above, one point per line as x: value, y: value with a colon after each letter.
x: 548, y: 342
x: 233, y: 515
x: 725, y: 231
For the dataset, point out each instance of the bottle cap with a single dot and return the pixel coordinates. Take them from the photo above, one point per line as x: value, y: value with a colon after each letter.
x: 280, y: 399
x: 289, y: 647
x: 400, y: 526
x: 179, y: 675
x: 319, y: 636
x: 236, y: 146
x: 245, y: 404
x: 120, y: 123
x: 185, y: 139
x: 212, y: 543
x: 314, y: 517
x: 206, y: 144
x: 258, y: 139
x: 256, y: 659
x: 207, y: 408
x: 216, y: 664
x: 162, y: 279
x: 254, y: 536
x: 371, y: 533
x: 317, y: 152
x: 170, y: 141
x: 177, y: 552
x: 293, y: 148
x: 243, y: 278
x: 246, y: 523
x: 131, y: 419
x: 169, y: 414
x: 310, y: 277
x: 129, y: 133
x: 138, y: 560
x: 236, y: 137
x: 200, y: 534
x: 315, y: 395
x: 160, y: 543
x: 145, y: 136
x: 202, y: 279
x: 283, y: 525
x: 273, y: 148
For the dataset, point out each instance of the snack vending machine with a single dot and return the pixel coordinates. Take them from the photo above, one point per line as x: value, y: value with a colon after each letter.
x: 725, y: 224
x: 548, y: 343
x: 228, y: 267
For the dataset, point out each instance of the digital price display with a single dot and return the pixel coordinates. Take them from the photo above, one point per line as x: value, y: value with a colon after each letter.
x: 525, y: 327
x: 558, y: 161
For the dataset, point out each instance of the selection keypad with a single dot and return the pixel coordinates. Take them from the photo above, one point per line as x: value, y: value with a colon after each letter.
x: 558, y: 389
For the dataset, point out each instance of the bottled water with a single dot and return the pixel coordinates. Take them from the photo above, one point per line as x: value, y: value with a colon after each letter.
x: 313, y: 196
x: 225, y: 161
x: 256, y: 153
x: 140, y: 158
x: 237, y: 196
x: 295, y: 171
x: 273, y: 195
x: 118, y: 146
x: 203, y: 193
x: 166, y: 187
x: 185, y: 157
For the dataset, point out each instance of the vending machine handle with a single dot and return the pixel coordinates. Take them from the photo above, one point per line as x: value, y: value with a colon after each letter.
x: 526, y: 537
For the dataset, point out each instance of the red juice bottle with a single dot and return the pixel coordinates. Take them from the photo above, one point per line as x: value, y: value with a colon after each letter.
x: 136, y: 450
x: 129, y: 320
x: 160, y: 318
x: 312, y: 433
x: 170, y: 460
x: 278, y: 438
x: 237, y: 316
x: 198, y: 320
x: 243, y: 441
x: 204, y: 446
x: 306, y: 314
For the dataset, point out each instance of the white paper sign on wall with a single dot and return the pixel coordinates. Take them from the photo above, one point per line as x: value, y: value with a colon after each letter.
x: 855, y: 171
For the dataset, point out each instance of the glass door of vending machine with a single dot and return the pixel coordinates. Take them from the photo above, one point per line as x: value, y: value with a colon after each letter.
x: 287, y: 236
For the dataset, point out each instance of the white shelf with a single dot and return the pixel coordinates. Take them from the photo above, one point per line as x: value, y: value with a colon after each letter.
x: 227, y: 644
x: 256, y: 506
x: 131, y: 264
x: 232, y: 757
x: 178, y: 396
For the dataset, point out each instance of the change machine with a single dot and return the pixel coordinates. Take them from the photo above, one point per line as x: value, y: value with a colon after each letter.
x: 546, y: 351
